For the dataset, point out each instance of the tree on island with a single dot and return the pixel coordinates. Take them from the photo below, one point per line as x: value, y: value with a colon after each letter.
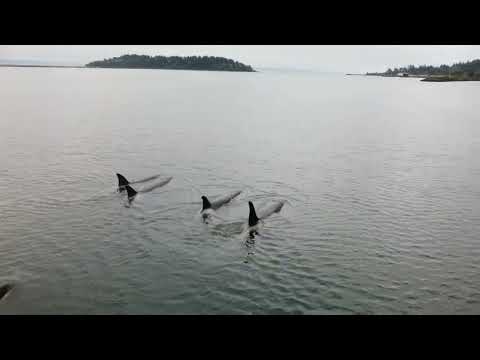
x: 469, y: 69
x: 172, y: 62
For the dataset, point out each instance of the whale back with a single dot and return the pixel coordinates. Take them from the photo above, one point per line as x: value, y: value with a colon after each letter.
x: 156, y: 185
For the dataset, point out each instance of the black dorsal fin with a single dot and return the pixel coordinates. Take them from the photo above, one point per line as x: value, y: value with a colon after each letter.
x: 122, y: 182
x: 252, y: 216
x: 130, y: 191
x: 5, y: 289
x: 206, y: 204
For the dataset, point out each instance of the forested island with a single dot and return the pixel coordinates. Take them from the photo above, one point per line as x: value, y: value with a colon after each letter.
x: 210, y: 63
x: 463, y: 71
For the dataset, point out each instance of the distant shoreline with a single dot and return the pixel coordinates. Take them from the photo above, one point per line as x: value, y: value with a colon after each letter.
x: 105, y: 67
x: 462, y: 71
x: 426, y: 78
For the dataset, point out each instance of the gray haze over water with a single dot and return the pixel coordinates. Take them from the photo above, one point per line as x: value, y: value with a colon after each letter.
x: 381, y: 178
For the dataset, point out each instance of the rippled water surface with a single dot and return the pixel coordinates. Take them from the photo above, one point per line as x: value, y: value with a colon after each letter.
x: 381, y: 178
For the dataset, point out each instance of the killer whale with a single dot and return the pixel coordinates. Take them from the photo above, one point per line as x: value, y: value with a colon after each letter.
x: 123, y: 182
x: 254, y: 219
x: 132, y: 193
x: 217, y: 203
x: 5, y: 290
x: 156, y: 185
x: 252, y: 215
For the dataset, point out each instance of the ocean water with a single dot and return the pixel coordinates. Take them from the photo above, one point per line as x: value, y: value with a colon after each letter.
x: 381, y: 179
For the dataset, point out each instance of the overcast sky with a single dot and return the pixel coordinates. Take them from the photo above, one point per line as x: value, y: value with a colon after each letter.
x: 330, y: 58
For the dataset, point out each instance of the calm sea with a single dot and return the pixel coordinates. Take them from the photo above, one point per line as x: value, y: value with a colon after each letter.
x: 381, y: 178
